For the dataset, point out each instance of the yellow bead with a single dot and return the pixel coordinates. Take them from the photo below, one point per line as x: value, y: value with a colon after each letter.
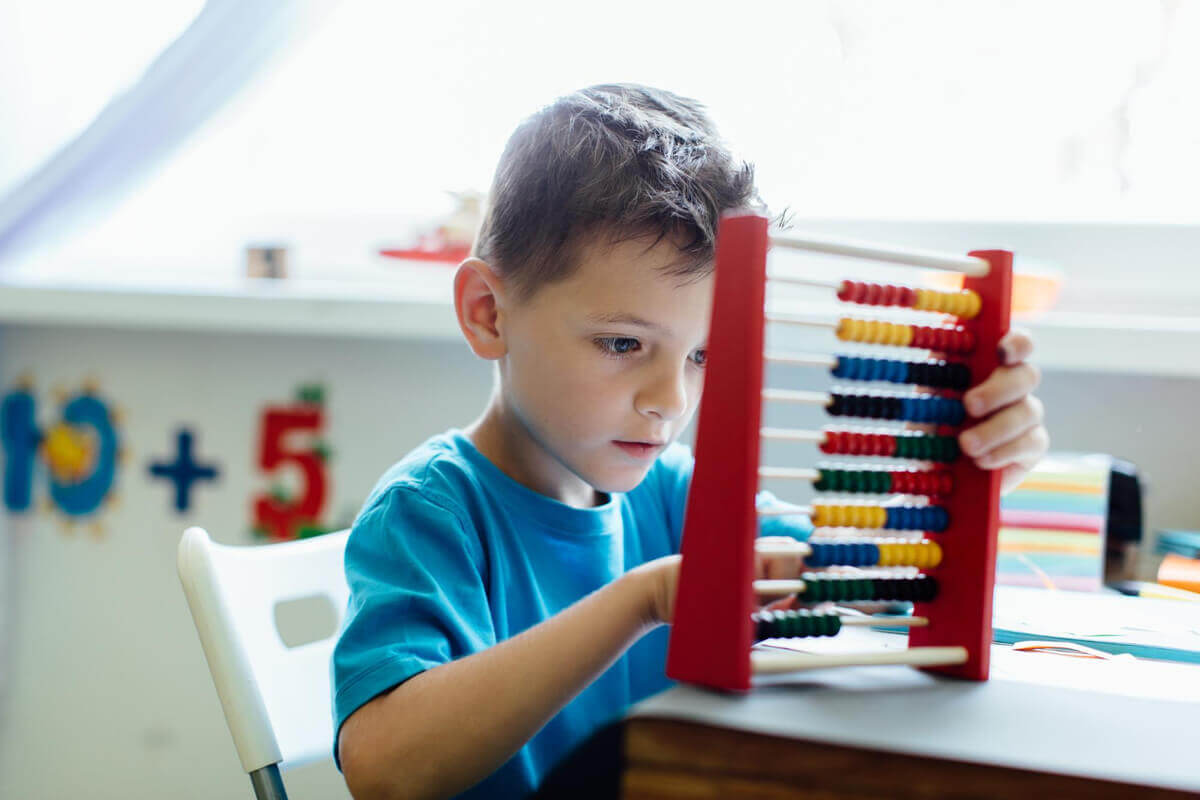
x: 974, y: 304
x: 935, y: 554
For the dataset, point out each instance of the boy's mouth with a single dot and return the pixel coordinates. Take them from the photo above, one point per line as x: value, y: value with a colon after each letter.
x: 640, y: 449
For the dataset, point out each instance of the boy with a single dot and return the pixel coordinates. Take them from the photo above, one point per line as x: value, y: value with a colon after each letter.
x: 509, y: 581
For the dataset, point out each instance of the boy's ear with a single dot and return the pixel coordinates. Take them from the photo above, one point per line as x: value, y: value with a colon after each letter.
x: 477, y: 301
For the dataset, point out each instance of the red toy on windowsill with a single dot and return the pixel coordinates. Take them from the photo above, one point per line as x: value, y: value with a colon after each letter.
x: 449, y: 242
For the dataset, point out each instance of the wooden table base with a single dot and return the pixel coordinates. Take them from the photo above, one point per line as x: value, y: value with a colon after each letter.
x: 669, y: 759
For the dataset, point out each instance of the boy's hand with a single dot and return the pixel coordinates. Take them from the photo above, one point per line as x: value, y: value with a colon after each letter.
x: 1012, y: 437
x: 662, y: 576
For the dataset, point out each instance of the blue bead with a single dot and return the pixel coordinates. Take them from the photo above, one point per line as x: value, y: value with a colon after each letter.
x: 941, y: 519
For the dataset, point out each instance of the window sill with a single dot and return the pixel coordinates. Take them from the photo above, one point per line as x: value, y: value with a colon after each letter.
x: 420, y: 309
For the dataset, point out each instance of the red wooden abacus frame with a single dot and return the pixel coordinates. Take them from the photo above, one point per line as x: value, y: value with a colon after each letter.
x: 712, y: 632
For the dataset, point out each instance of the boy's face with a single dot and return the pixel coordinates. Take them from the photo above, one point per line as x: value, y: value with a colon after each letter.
x: 605, y: 368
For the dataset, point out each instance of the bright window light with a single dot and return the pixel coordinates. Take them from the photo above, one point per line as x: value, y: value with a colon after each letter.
x: 977, y: 110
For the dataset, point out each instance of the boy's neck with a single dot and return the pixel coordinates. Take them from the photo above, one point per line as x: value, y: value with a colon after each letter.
x: 503, y: 439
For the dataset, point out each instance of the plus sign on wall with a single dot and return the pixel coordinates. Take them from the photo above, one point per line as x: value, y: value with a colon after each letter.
x: 183, y: 471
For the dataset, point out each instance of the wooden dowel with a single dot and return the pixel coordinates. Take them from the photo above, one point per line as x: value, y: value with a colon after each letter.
x: 796, y: 473
x: 801, y: 359
x: 778, y: 587
x: 764, y: 662
x: 796, y: 396
x: 785, y: 511
x: 798, y: 281
x: 792, y: 435
x: 777, y: 546
x: 867, y: 620
x: 792, y: 319
x: 968, y: 265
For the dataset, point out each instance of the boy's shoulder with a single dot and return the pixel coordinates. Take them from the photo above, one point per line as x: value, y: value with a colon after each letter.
x: 440, y: 469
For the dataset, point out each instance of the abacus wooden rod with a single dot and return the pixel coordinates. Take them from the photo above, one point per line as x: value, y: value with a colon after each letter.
x: 801, y: 359
x: 868, y: 621
x: 796, y: 396
x: 791, y: 319
x: 795, y: 280
x: 789, y: 511
x: 790, y: 435
x: 782, y: 547
x: 791, y: 473
x: 967, y: 265
x: 764, y: 662
x: 778, y: 587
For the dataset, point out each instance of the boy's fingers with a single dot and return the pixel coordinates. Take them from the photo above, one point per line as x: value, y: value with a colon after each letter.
x: 782, y: 604
x: 1025, y: 450
x: 1002, y: 427
x: 782, y: 566
x: 1012, y: 475
x: 1005, y: 385
x: 1016, y: 347
x: 774, y: 564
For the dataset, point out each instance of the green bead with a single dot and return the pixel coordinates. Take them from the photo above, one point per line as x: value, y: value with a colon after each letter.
x: 866, y: 589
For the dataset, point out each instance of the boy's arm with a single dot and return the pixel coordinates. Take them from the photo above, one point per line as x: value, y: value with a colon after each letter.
x: 447, y: 728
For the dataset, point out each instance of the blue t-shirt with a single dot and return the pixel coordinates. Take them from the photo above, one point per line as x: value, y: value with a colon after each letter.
x: 450, y: 556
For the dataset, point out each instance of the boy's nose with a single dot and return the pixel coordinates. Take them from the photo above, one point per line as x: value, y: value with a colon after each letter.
x: 665, y: 397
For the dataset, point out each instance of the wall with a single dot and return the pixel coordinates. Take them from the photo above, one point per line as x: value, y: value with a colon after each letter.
x: 108, y: 695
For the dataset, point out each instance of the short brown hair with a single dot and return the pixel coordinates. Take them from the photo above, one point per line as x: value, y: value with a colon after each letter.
x: 616, y: 160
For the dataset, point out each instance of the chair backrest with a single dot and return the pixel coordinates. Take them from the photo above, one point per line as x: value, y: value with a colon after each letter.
x: 276, y: 698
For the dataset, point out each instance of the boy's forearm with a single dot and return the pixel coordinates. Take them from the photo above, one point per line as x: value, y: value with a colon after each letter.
x: 445, y: 729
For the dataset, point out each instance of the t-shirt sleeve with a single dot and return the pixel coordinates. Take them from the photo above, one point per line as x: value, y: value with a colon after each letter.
x: 417, y: 597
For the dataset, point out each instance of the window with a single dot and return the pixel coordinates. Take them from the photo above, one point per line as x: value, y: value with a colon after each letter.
x: 921, y: 111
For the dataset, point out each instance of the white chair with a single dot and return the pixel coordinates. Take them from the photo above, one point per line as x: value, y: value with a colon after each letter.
x: 276, y: 698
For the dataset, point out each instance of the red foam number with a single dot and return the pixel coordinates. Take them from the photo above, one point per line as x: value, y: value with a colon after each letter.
x: 283, y: 519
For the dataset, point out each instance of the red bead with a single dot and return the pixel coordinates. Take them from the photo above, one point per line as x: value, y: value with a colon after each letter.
x: 858, y: 444
x: 874, y: 292
x: 925, y: 482
x: 845, y: 291
x: 947, y: 340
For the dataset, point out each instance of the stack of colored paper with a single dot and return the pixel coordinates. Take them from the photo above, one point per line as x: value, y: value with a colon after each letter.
x: 1052, y: 525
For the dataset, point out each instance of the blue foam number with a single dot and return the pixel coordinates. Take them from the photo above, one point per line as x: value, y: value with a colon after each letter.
x: 84, y: 497
x: 20, y: 438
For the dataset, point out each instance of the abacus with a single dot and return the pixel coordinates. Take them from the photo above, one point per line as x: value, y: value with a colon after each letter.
x: 952, y: 505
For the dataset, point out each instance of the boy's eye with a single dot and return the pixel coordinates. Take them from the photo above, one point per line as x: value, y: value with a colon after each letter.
x: 700, y: 357
x: 618, y: 345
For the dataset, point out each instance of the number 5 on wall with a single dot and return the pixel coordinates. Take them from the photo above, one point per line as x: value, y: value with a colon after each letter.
x: 284, y: 517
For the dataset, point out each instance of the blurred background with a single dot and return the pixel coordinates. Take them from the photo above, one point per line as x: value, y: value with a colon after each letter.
x: 223, y: 218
